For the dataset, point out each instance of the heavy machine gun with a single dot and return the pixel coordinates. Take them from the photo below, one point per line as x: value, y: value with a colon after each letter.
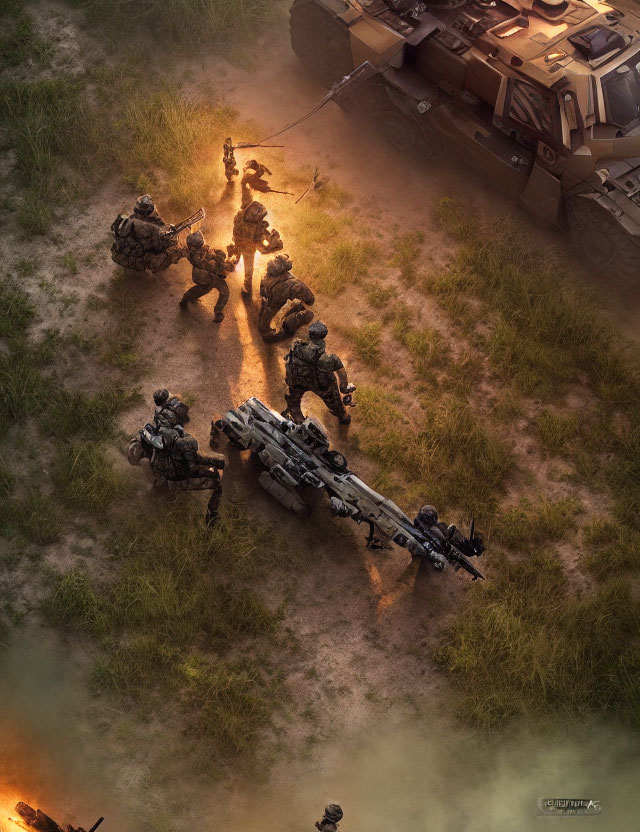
x: 296, y: 456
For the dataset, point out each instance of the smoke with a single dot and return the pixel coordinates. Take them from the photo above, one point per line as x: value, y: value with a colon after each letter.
x: 425, y: 776
x: 414, y: 776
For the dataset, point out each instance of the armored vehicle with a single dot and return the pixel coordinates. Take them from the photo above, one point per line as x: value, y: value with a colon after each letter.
x: 540, y: 96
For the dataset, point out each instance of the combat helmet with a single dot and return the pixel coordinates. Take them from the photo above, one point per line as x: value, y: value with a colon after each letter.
x: 144, y: 206
x: 278, y: 265
x: 333, y: 813
x: 428, y: 515
x: 160, y: 396
x: 195, y: 239
x: 255, y: 212
x: 318, y: 331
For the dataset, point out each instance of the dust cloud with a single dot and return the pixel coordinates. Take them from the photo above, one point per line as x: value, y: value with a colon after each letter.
x: 423, y: 775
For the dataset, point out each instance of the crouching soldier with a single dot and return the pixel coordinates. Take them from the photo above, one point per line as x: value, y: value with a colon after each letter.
x: 210, y: 270
x: 250, y: 234
x: 309, y: 368
x: 143, y: 240
x: 278, y: 287
x: 175, y: 460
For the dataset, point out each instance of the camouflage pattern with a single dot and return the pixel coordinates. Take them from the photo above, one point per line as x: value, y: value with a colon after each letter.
x: 140, y: 242
x: 210, y: 270
x: 250, y: 234
x: 229, y: 160
x: 310, y: 369
x: 278, y: 288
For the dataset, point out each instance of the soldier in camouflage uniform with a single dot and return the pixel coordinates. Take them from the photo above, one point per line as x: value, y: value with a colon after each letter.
x: 175, y: 460
x: 210, y: 270
x: 229, y: 160
x: 278, y: 288
x: 333, y: 814
x: 309, y: 368
x: 250, y: 234
x: 143, y: 239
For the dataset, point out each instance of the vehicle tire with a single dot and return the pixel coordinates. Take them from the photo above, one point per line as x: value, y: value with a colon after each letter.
x: 410, y: 136
x: 601, y: 242
x: 321, y: 41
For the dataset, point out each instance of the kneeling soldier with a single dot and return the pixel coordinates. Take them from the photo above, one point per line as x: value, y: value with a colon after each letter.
x: 277, y: 288
x: 210, y: 270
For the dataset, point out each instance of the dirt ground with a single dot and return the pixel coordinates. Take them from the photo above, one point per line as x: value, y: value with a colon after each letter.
x: 359, y: 616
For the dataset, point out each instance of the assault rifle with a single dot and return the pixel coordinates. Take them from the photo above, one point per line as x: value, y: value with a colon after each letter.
x: 174, y: 230
x: 300, y: 455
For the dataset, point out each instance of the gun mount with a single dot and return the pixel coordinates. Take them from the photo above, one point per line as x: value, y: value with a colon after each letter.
x: 295, y: 456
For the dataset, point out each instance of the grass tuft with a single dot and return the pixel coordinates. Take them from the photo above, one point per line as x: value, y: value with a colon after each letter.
x: 522, y: 647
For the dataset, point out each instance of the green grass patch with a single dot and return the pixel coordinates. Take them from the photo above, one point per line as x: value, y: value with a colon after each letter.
x: 547, y: 331
x: 427, y: 347
x: 366, y: 340
x: 610, y: 548
x: 557, y: 429
x: 380, y: 295
x: 35, y: 518
x: 448, y: 455
x: 533, y: 524
x: 407, y: 249
x: 185, y: 23
x: 179, y: 618
x: 84, y: 479
x: 20, y: 41
x: 346, y: 262
x: 523, y: 647
x: 16, y: 309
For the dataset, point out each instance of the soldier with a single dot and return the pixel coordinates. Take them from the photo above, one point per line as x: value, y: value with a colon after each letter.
x: 333, y: 814
x: 143, y: 240
x: 253, y: 176
x: 309, y: 368
x: 427, y: 521
x: 277, y: 288
x: 175, y: 460
x: 229, y: 160
x: 250, y: 234
x: 170, y: 410
x: 210, y: 270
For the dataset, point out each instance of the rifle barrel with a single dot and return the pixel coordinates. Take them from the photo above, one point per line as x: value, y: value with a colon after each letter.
x: 96, y: 825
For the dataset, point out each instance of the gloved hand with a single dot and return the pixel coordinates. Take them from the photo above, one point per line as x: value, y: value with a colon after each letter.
x: 347, y: 388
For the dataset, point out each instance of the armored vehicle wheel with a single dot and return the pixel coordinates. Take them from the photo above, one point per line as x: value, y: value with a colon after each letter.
x: 410, y: 137
x: 602, y: 242
x: 320, y: 41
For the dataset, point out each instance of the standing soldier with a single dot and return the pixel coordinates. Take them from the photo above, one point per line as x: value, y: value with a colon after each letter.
x: 229, y: 160
x: 333, y: 814
x: 143, y: 240
x: 210, y: 270
x: 309, y: 368
x: 250, y: 234
x: 277, y: 288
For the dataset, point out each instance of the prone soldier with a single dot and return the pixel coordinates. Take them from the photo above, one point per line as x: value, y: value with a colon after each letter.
x: 143, y: 240
x: 250, y: 234
x: 279, y: 286
x: 229, y: 160
x: 309, y: 368
x: 210, y: 270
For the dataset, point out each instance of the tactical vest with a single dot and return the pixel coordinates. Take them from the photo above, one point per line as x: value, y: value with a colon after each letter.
x: 309, y: 366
